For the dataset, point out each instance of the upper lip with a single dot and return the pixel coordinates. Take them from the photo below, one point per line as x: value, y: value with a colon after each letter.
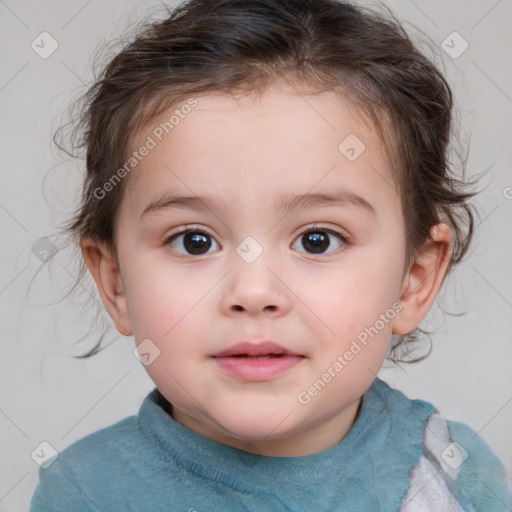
x: 249, y: 348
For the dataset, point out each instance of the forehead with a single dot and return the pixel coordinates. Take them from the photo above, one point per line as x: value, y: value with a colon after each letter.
x: 279, y: 142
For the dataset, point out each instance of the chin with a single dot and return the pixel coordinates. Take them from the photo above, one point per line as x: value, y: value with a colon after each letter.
x: 256, y: 426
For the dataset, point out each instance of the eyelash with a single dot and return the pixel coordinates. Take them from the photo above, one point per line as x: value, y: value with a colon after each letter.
x: 313, y: 229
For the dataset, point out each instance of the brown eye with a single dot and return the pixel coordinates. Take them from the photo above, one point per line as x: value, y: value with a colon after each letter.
x: 318, y: 241
x: 191, y: 243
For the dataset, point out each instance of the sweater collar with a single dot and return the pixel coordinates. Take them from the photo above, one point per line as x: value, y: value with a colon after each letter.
x: 365, y: 448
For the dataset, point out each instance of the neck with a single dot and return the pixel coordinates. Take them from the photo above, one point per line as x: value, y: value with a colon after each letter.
x: 316, y: 439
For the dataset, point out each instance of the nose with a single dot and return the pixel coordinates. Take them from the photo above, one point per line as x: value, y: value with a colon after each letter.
x: 255, y: 288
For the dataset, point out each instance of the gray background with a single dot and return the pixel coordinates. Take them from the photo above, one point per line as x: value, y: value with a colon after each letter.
x: 45, y: 395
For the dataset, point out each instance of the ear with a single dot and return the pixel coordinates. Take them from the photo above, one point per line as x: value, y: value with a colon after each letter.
x: 424, y: 279
x: 104, y: 269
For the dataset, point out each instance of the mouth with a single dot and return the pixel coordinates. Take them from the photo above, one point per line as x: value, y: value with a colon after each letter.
x: 266, y: 356
x: 265, y: 349
x: 256, y: 361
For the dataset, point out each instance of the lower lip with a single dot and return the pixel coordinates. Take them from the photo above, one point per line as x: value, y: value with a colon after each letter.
x: 257, y: 369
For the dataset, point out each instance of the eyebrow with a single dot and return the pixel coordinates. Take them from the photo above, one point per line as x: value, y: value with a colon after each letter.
x: 283, y: 204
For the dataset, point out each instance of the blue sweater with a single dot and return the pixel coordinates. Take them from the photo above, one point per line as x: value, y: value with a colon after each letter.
x: 399, y: 455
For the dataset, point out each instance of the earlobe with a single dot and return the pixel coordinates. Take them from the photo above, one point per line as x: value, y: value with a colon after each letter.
x: 424, y: 279
x: 105, y: 271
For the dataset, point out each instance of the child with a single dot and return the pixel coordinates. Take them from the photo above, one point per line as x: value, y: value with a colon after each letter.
x: 268, y: 208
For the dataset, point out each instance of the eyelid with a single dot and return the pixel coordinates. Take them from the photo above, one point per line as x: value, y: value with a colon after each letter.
x: 188, y: 228
x: 344, y: 240
x: 320, y: 226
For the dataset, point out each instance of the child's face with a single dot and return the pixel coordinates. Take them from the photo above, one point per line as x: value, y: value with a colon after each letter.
x: 313, y: 295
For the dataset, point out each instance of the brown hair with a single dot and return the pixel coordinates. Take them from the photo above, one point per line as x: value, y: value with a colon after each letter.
x: 244, y: 46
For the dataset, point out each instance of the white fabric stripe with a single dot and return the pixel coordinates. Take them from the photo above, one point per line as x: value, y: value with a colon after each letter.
x: 428, y: 490
x: 438, y: 442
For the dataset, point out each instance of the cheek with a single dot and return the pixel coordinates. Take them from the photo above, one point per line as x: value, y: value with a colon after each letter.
x: 158, y: 300
x: 354, y: 312
x: 169, y: 321
x: 352, y: 299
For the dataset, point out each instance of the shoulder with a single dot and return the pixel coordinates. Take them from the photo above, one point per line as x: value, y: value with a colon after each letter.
x: 455, y: 469
x: 399, y: 405
x: 108, y: 445
x: 457, y: 472
x: 79, y: 471
x: 481, y: 479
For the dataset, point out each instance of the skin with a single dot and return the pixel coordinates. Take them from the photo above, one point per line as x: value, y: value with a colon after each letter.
x: 249, y: 152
